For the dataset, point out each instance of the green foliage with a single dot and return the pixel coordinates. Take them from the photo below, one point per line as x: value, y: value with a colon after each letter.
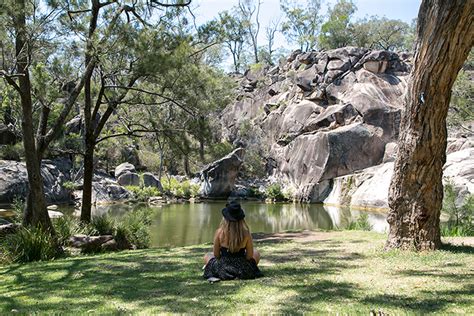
x: 254, y: 164
x: 103, y: 224
x: 142, y: 194
x: 179, y: 189
x: 462, y: 99
x: 150, y: 160
x: 67, y: 226
x: 254, y: 192
x: 219, y: 150
x: 302, y: 23
x: 274, y: 192
x: 289, y: 194
x: 335, y: 32
x: 256, y: 67
x: 69, y: 185
x: 30, y: 244
x: 12, y: 152
x: 18, y: 207
x: 382, y: 33
x: 460, y: 218
x: 134, y: 228
x: 361, y: 223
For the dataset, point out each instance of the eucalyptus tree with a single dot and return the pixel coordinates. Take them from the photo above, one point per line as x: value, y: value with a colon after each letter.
x: 30, y: 51
x: 233, y: 32
x: 250, y: 11
x: 302, y: 23
x: 336, y: 31
x: 445, y: 36
x: 382, y: 33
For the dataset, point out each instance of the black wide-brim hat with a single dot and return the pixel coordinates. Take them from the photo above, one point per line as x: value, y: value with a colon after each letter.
x: 233, y: 212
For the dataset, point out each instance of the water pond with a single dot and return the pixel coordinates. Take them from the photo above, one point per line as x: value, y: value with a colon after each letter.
x: 195, y: 223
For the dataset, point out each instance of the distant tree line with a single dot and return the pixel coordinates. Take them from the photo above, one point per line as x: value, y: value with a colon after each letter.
x: 235, y: 32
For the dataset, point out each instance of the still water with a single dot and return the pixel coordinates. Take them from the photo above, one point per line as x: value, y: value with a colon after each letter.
x: 195, y: 223
x: 190, y: 224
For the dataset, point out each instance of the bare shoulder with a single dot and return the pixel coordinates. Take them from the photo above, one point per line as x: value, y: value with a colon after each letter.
x: 217, y: 234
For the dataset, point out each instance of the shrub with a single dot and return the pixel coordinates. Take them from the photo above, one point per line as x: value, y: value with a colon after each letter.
x: 67, y: 226
x: 30, y: 244
x: 219, y: 150
x: 460, y: 221
x: 103, y: 225
x: 274, y: 192
x: 134, y: 228
x: 143, y: 194
x: 181, y: 189
x: 254, y: 192
x: 150, y: 160
x: 69, y: 185
x: 18, y: 207
x: 12, y: 152
x: 361, y: 223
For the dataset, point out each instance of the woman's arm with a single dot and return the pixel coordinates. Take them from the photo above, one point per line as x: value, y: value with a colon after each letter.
x: 217, y: 244
x: 249, y: 248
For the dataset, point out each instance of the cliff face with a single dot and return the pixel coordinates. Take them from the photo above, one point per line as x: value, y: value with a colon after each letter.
x: 321, y: 115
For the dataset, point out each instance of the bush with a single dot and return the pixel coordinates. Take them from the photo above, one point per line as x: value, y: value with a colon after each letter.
x: 460, y: 221
x: 361, y: 223
x: 30, y: 244
x: 134, y: 228
x: 67, y: 226
x: 12, y: 152
x: 254, y: 192
x: 274, y: 192
x: 18, y: 207
x: 180, y: 189
x: 102, y: 225
x: 143, y: 194
x: 69, y: 185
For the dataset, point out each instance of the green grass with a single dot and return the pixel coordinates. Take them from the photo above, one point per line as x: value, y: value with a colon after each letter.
x: 323, y: 272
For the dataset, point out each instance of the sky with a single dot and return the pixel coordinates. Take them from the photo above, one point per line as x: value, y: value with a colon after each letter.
x: 404, y: 10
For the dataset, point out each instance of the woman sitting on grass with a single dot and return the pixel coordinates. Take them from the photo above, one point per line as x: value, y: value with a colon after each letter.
x: 233, y: 256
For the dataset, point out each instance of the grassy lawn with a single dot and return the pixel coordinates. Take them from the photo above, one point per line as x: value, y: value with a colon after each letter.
x: 324, y: 272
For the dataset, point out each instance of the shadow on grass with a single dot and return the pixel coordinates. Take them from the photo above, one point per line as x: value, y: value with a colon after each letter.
x: 457, y: 248
x: 437, y: 273
x: 438, y: 300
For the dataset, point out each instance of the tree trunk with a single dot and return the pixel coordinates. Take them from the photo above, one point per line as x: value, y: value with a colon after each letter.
x: 35, y: 213
x: 86, y: 208
x: 445, y: 36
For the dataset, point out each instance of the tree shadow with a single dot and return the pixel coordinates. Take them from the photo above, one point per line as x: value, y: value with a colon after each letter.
x: 457, y: 248
x: 437, y: 301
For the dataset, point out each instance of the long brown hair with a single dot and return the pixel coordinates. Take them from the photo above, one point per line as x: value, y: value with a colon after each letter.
x: 234, y: 233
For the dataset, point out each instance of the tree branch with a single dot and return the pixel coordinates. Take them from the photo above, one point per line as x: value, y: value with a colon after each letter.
x: 156, y: 94
x: 167, y: 5
x: 9, y: 79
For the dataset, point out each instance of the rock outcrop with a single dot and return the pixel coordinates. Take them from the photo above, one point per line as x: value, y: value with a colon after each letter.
x: 369, y: 188
x: 105, y: 190
x: 14, y: 180
x: 218, y: 178
x: 325, y: 114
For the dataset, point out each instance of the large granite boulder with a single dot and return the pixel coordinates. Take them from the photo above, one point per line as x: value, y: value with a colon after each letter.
x: 14, y: 180
x: 459, y: 169
x: 129, y: 179
x: 123, y: 168
x: 369, y: 188
x: 218, y: 178
x: 323, y: 115
x: 105, y: 190
x: 150, y: 180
